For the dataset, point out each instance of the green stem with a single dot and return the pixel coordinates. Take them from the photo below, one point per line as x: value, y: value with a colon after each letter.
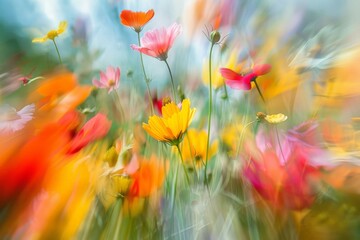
x: 226, y: 92
x: 209, y: 119
x: 57, y: 50
x: 182, y: 161
x: 173, y: 191
x: 257, y: 87
x: 172, y: 80
x: 146, y: 78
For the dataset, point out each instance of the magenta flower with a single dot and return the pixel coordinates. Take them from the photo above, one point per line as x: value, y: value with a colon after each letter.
x: 243, y: 81
x: 156, y: 43
x: 109, y: 80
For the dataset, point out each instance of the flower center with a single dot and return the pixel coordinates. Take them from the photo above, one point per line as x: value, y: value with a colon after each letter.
x: 111, y: 83
x: 52, y: 34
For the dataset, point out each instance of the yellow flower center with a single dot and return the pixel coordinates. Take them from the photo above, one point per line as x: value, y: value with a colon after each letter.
x: 111, y: 83
x: 52, y: 34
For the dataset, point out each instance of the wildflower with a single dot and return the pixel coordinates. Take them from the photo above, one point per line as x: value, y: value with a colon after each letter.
x: 60, y: 93
x: 109, y: 80
x: 283, y: 177
x: 243, y: 81
x: 12, y: 120
x: 97, y: 127
x: 145, y: 182
x: 156, y: 43
x: 148, y: 178
x: 172, y: 125
x: 52, y: 34
x: 136, y: 20
x: 276, y: 118
x: 271, y: 118
x: 193, y: 148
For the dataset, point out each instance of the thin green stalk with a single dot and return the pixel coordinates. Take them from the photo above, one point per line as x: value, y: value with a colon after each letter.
x: 173, y: 191
x: 257, y: 86
x: 226, y: 96
x: 172, y: 80
x: 146, y: 78
x: 210, y: 113
x: 183, y: 164
x: 57, y: 50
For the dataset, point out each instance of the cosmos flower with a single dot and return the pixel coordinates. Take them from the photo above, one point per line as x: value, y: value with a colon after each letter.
x: 157, y: 43
x: 58, y: 94
x: 148, y: 178
x: 12, y: 120
x: 193, y: 148
x: 172, y: 125
x: 52, y: 34
x: 283, y: 176
x: 243, y: 81
x: 96, y: 128
x: 109, y: 80
x: 136, y: 20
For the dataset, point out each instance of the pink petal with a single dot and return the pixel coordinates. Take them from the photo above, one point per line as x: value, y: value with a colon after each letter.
x: 110, y: 72
x: 261, y: 69
x: 238, y: 84
x: 230, y: 74
x: 98, y: 83
x: 144, y: 50
x: 103, y: 78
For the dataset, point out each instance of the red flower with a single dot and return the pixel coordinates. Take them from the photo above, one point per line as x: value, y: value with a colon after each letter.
x: 96, y: 128
x: 243, y: 82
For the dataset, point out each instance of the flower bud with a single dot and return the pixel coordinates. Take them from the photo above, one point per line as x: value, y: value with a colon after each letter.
x: 215, y: 36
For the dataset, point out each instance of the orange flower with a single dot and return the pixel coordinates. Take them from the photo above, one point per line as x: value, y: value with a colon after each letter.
x: 136, y: 20
x: 58, y: 94
x: 148, y: 178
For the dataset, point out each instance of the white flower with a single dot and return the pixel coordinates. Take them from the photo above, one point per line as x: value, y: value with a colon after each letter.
x: 12, y: 120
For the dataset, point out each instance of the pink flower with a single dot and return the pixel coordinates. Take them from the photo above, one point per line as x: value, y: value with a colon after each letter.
x: 109, y: 80
x: 284, y: 177
x: 12, y: 121
x: 243, y: 82
x: 156, y: 43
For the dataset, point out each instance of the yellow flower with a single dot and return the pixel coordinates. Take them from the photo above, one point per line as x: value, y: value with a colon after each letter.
x: 193, y: 148
x: 275, y: 118
x: 172, y: 125
x: 52, y: 34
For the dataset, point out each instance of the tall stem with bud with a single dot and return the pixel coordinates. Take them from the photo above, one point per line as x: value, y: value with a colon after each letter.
x: 214, y: 38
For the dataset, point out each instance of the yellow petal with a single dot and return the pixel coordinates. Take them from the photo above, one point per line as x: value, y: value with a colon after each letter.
x: 276, y: 118
x: 169, y: 109
x: 39, y: 40
x: 62, y: 27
